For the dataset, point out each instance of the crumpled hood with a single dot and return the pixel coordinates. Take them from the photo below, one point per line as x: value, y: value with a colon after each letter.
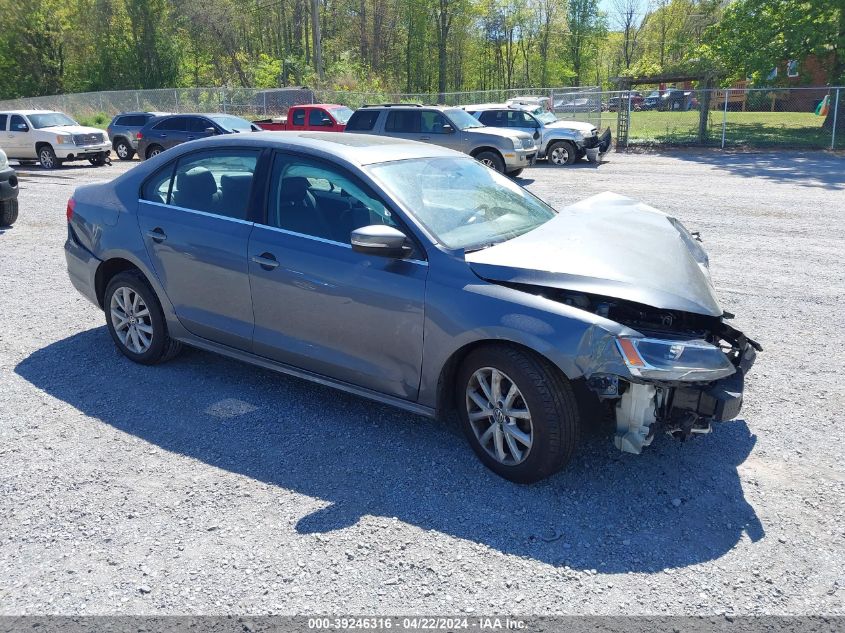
x: 607, y: 245
x: 585, y: 128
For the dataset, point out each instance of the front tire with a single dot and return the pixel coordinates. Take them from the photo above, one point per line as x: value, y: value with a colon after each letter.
x: 135, y: 320
x: 492, y: 160
x: 562, y: 153
x: 8, y: 212
x: 516, y: 172
x: 518, y: 412
x: 47, y: 158
x: 124, y: 150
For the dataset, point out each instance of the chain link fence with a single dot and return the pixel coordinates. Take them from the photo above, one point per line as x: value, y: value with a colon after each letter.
x: 754, y: 117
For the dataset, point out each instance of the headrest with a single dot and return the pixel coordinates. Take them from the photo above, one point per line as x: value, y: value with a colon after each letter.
x: 196, y: 182
x: 238, y: 185
x: 294, y: 188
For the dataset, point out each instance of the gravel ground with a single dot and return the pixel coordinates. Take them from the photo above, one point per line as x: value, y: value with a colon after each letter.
x: 209, y: 486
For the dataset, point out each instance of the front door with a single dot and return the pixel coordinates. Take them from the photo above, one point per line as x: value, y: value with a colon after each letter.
x: 319, y: 305
x: 19, y: 138
x: 193, y: 217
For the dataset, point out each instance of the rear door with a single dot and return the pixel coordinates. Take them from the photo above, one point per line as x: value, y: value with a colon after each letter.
x: 296, y: 119
x: 404, y: 123
x: 195, y: 219
x: 170, y: 132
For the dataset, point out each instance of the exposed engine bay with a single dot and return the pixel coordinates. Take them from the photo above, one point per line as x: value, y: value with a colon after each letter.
x: 683, y: 405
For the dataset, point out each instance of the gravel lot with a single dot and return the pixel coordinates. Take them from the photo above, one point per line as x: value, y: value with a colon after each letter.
x: 209, y: 486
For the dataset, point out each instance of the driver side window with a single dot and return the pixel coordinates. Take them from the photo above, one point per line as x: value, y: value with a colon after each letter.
x: 319, y: 200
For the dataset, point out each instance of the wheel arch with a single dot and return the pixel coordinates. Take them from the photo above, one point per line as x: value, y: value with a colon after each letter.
x: 120, y: 137
x: 486, y: 148
x: 39, y: 145
x: 446, y: 388
x: 107, y: 271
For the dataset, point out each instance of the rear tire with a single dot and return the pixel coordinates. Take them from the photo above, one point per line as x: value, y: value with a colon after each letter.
x: 47, y: 158
x: 124, y: 150
x: 154, y: 150
x: 492, y: 160
x: 135, y: 320
x: 562, y: 153
x: 8, y: 212
x: 540, y: 437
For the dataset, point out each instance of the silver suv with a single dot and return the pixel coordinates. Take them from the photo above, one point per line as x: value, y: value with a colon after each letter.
x: 506, y: 151
x: 561, y: 142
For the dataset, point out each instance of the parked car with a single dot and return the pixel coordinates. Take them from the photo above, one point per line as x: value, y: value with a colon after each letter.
x: 669, y: 99
x: 52, y: 138
x: 506, y: 151
x: 162, y: 133
x: 580, y: 105
x: 322, y: 117
x: 8, y: 192
x: 621, y: 101
x: 412, y: 275
x: 561, y: 142
x: 123, y: 131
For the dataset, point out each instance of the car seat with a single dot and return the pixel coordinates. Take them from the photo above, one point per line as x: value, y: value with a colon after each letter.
x: 195, y: 189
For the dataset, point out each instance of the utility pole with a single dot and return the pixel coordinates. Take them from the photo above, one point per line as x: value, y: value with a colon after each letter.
x: 318, y: 44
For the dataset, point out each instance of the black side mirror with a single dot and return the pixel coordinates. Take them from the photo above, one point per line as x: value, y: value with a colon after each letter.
x: 448, y: 129
x: 536, y: 134
x: 381, y: 240
x: 328, y: 123
x: 21, y: 127
x: 210, y: 130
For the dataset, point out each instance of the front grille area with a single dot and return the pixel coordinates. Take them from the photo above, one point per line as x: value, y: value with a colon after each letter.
x: 87, y: 139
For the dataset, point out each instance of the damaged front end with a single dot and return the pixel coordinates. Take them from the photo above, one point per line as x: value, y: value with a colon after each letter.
x: 678, y: 371
x: 683, y: 373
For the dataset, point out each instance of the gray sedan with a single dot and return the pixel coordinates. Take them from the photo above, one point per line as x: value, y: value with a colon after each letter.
x: 415, y: 276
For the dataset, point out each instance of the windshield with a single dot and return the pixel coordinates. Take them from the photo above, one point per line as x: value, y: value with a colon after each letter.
x: 233, y: 123
x: 544, y: 115
x: 51, y: 119
x: 342, y: 114
x: 463, y: 120
x: 460, y: 202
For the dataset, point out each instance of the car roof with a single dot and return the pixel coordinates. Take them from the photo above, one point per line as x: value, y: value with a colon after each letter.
x: 357, y: 149
x: 152, y: 112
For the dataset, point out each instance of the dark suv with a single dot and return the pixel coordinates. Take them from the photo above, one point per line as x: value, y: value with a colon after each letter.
x: 123, y: 131
x: 163, y: 133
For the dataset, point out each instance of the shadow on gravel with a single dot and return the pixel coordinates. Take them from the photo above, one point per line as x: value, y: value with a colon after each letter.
x: 673, y: 506
x: 808, y: 169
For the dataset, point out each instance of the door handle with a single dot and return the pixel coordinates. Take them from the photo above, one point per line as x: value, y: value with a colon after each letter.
x: 157, y: 235
x: 425, y: 138
x: 266, y: 261
x: 191, y: 138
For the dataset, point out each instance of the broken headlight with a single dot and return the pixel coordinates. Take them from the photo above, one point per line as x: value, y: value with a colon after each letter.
x: 661, y: 359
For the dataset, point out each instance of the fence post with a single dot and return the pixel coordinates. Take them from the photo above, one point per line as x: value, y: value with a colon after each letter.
x: 725, y: 117
x: 835, y: 114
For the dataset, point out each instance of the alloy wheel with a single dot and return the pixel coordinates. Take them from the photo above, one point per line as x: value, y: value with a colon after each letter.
x: 122, y: 150
x: 131, y: 320
x: 487, y: 162
x: 499, y: 416
x: 46, y: 158
x: 560, y: 155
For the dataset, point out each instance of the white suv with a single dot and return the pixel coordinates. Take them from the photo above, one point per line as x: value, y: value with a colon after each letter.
x: 51, y: 138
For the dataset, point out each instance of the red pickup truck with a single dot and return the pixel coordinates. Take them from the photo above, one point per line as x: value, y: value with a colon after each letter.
x: 321, y: 117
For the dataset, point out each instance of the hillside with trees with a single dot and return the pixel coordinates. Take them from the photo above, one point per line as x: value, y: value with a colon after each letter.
x: 57, y: 46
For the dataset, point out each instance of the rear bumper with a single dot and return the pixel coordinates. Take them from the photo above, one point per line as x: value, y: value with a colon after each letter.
x: 8, y: 184
x: 81, y: 268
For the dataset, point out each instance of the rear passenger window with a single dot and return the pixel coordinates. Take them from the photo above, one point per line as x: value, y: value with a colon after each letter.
x: 299, y: 117
x: 157, y: 187
x: 216, y: 182
x: 404, y: 121
x: 3, y: 119
x: 362, y: 120
x: 176, y: 124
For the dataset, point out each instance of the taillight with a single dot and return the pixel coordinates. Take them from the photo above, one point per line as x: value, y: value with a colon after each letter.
x: 138, y: 136
x: 71, y: 205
